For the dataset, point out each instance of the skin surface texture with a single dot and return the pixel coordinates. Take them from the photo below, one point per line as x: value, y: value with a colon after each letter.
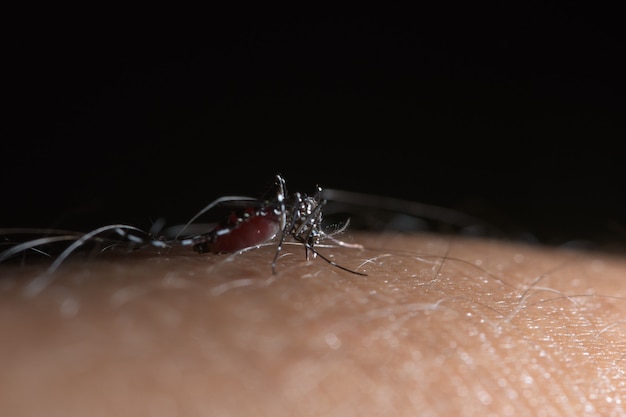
x: 440, y: 326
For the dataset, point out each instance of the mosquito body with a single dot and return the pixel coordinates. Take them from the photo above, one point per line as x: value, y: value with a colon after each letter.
x: 298, y: 217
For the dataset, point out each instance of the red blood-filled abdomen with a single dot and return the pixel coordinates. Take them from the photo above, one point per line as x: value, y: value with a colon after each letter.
x: 253, y: 231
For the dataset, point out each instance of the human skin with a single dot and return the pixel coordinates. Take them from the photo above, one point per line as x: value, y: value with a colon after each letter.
x: 440, y: 326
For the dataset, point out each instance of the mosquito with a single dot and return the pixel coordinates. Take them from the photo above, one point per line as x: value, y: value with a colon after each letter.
x: 297, y: 216
x: 251, y: 222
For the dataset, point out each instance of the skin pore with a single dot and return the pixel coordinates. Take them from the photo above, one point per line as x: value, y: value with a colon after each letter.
x: 440, y: 326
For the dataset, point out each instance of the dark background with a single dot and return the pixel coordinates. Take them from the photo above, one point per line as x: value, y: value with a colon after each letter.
x: 512, y: 113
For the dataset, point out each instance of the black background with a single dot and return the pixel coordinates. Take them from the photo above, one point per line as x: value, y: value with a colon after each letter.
x: 513, y: 113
